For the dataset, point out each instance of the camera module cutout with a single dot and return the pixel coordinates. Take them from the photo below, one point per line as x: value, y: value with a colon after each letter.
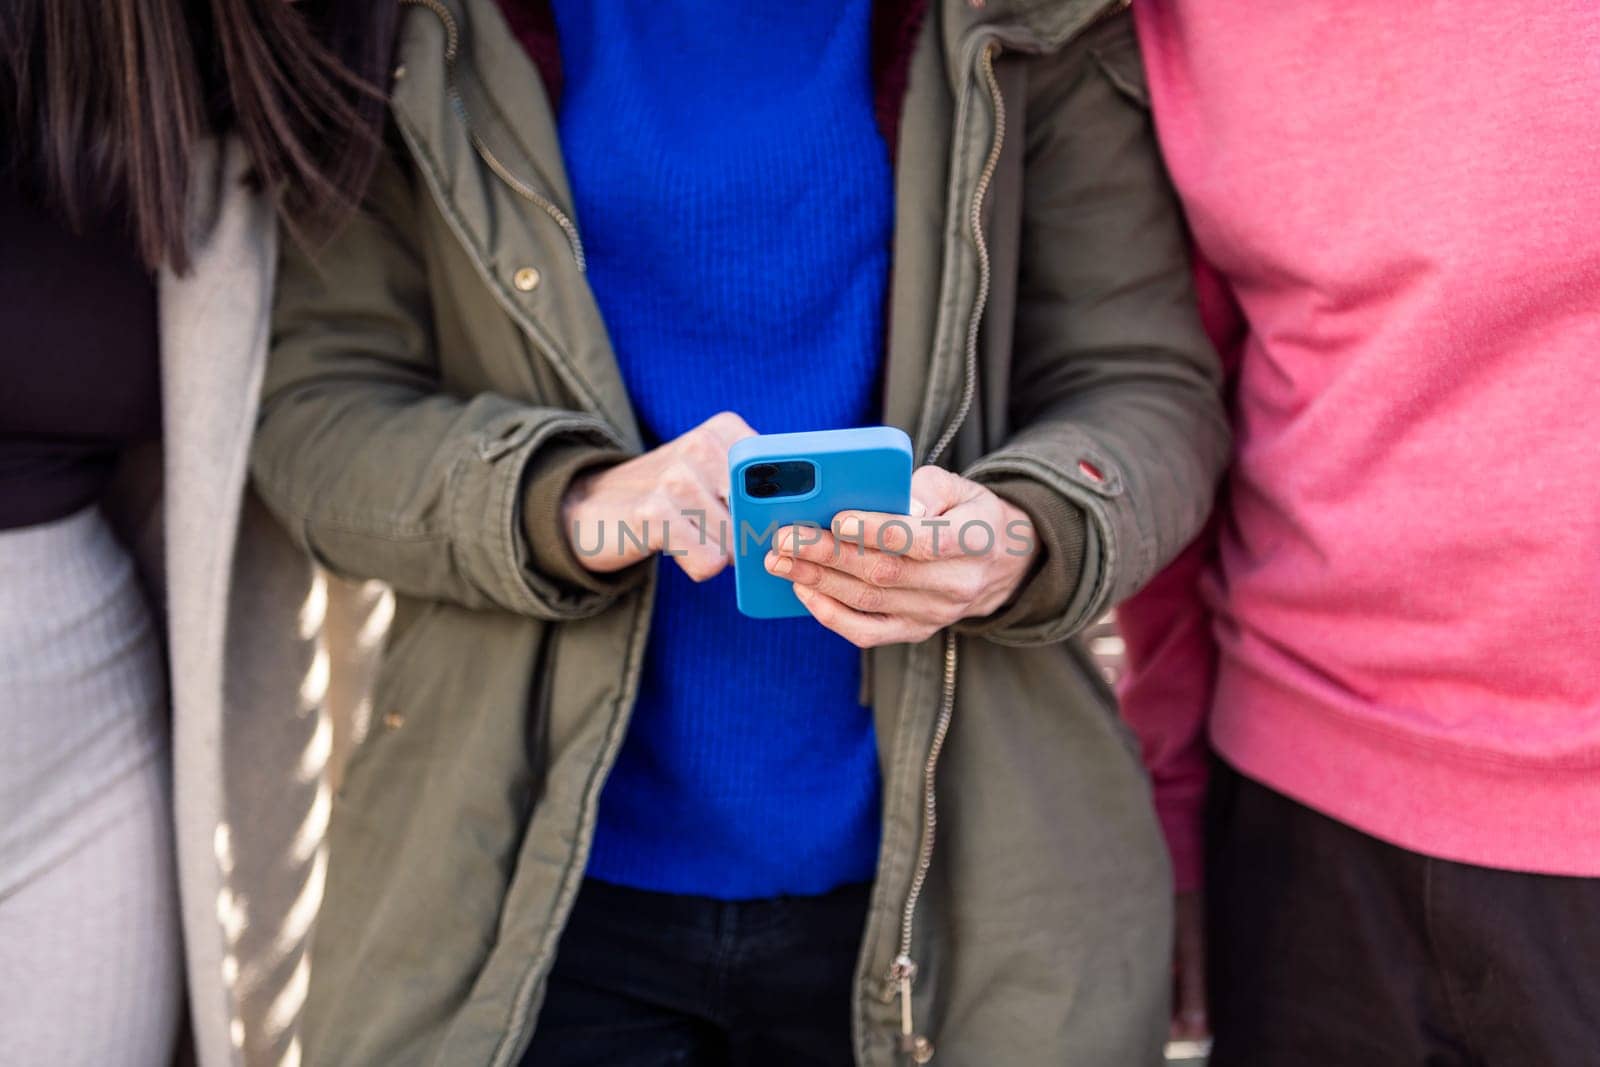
x: 785, y: 478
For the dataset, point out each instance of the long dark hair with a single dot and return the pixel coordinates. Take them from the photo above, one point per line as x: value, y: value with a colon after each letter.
x: 102, y: 103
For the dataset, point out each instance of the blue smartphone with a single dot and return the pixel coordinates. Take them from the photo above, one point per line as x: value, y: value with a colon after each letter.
x: 787, y: 479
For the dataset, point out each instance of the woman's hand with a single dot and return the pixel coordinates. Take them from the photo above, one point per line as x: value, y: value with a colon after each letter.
x: 880, y: 579
x: 672, y: 499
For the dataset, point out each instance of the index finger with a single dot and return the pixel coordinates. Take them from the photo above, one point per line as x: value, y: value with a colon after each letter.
x: 728, y: 428
x: 709, y: 444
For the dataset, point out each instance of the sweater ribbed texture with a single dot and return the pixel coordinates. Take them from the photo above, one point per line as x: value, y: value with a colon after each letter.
x: 90, y: 958
x: 735, y: 199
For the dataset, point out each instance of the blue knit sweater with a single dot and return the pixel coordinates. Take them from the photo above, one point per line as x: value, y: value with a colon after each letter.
x: 735, y: 199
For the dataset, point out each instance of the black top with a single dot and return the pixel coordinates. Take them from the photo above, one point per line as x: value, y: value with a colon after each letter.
x: 79, y: 361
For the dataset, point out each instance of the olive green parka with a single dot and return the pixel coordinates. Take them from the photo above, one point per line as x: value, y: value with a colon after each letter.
x: 427, y: 361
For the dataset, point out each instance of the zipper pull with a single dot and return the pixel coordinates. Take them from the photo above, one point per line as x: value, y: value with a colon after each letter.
x: 903, y: 972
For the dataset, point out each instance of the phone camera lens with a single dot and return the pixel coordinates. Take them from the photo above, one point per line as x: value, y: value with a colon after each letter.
x: 764, y: 489
x: 764, y: 472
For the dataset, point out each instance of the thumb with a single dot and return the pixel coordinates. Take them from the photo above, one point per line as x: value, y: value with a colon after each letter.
x: 936, y: 490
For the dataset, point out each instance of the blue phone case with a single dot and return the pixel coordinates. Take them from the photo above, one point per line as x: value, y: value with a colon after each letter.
x: 866, y: 469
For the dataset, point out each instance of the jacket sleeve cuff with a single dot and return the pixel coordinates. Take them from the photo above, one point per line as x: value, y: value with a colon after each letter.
x: 1061, y: 529
x: 544, y: 487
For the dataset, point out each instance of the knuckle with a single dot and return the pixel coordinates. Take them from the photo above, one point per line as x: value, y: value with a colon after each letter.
x: 724, y: 422
x: 816, y: 545
x: 869, y: 599
x: 657, y: 506
x: 700, y: 446
x: 679, y: 480
x: 969, y: 586
x: 886, y: 570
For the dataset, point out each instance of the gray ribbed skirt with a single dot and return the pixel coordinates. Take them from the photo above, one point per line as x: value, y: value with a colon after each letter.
x: 89, y: 951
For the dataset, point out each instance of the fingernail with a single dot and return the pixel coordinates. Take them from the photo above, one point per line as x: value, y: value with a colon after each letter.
x: 918, y: 509
x: 779, y: 564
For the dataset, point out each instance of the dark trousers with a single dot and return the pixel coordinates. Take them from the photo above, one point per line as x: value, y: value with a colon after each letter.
x: 1330, y: 948
x: 650, y: 979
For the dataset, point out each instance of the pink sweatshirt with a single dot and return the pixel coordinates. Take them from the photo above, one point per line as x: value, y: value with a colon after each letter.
x: 1398, y: 620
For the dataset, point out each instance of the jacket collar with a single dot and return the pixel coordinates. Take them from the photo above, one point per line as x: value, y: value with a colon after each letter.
x: 1032, y: 25
x: 484, y: 50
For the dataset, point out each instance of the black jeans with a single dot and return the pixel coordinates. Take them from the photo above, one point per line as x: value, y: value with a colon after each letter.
x: 651, y: 979
x: 1334, y: 949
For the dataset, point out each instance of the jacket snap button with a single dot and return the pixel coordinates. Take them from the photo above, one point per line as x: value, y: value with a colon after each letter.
x: 526, y: 280
x: 1090, y: 471
x: 393, y: 720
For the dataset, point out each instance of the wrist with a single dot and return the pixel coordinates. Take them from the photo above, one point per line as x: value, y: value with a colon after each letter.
x: 1044, y: 535
x: 570, y: 508
x: 547, y: 510
x: 1017, y: 548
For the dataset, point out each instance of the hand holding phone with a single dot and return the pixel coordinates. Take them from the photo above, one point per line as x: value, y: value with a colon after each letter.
x: 672, y: 499
x: 884, y: 578
x: 801, y: 481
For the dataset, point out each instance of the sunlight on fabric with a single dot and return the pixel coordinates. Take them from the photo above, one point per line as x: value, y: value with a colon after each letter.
x: 303, y: 912
x: 314, y: 688
x: 315, y: 610
x: 360, y: 722
x: 222, y: 846
x: 377, y: 623
x: 231, y: 914
x: 313, y: 828
x: 314, y: 760
x: 291, y: 1055
x: 285, y: 1008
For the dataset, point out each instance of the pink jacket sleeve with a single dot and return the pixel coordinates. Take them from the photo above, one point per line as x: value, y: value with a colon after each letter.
x: 1166, y: 691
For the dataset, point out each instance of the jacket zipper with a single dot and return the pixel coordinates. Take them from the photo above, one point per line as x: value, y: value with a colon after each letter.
x: 903, y: 971
x: 452, y: 43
